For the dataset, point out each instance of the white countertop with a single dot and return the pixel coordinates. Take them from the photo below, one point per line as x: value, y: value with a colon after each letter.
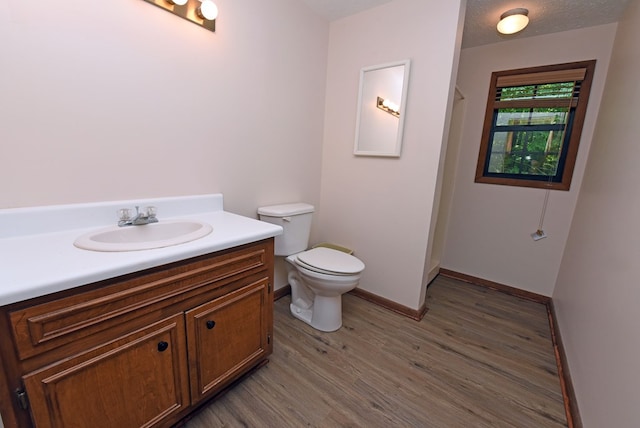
x: 39, y: 258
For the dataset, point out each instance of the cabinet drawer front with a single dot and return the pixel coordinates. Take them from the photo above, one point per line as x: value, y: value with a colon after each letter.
x: 49, y: 325
x: 227, y: 336
x: 134, y: 381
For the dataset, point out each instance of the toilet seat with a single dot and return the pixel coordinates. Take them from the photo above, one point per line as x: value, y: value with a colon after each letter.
x: 330, y: 262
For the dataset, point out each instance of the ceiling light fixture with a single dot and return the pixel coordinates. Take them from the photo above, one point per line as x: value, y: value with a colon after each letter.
x: 513, y: 20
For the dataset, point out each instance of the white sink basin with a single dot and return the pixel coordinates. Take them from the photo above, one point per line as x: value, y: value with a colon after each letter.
x: 133, y: 238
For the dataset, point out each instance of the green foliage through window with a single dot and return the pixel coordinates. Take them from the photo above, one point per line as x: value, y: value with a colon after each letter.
x: 528, y: 141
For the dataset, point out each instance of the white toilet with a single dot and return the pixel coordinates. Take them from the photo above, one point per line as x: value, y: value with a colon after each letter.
x: 319, y: 276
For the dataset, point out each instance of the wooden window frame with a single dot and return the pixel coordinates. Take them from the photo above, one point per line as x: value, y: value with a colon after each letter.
x: 537, y: 75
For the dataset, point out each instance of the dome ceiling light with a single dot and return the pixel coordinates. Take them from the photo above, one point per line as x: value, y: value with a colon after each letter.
x: 513, y: 21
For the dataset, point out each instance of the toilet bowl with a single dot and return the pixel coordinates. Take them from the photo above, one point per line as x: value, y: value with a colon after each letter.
x: 318, y: 279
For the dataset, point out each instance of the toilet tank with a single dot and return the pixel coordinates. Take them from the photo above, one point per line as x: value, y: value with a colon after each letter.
x: 295, y: 220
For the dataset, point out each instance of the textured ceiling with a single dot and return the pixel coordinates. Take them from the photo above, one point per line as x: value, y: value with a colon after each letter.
x: 335, y: 9
x: 546, y: 16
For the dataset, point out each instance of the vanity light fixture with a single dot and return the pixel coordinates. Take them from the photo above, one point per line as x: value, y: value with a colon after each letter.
x: 513, y: 21
x: 388, y: 106
x: 200, y: 12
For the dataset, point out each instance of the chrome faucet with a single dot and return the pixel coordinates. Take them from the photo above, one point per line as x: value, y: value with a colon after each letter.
x: 146, y: 216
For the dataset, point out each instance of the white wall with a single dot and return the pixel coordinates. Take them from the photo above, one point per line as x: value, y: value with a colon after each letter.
x: 382, y: 207
x: 449, y: 176
x: 597, y: 297
x: 489, y: 227
x: 122, y: 100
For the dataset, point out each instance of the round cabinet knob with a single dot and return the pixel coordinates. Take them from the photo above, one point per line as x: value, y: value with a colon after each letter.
x: 162, y: 346
x: 211, y: 324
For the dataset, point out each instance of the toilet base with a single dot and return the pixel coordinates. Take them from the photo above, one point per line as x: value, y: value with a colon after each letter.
x: 325, y: 314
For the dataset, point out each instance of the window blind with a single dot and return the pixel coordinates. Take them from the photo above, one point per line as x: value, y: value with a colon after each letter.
x: 557, y: 76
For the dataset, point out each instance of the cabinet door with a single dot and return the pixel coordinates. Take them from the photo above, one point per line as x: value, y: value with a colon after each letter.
x: 227, y: 336
x: 133, y: 381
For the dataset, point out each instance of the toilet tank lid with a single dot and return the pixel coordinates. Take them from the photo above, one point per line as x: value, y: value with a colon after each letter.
x: 285, y: 210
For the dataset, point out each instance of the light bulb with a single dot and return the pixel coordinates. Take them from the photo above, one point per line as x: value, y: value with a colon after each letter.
x: 208, y: 10
x: 178, y: 2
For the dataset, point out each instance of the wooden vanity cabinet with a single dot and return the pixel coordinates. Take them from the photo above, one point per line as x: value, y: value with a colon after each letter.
x: 142, y: 350
x: 134, y: 381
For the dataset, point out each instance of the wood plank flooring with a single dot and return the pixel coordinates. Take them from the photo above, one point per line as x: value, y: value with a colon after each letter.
x: 479, y: 358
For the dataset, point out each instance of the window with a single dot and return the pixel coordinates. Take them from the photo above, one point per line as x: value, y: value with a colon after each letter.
x: 533, y: 124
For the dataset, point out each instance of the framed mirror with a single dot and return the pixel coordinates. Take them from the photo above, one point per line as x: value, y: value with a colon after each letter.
x: 381, y: 109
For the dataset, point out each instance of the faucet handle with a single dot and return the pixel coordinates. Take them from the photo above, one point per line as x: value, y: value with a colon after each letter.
x: 151, y: 210
x: 124, y: 214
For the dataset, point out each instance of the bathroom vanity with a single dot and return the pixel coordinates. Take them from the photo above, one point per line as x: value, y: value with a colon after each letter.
x: 136, y: 338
